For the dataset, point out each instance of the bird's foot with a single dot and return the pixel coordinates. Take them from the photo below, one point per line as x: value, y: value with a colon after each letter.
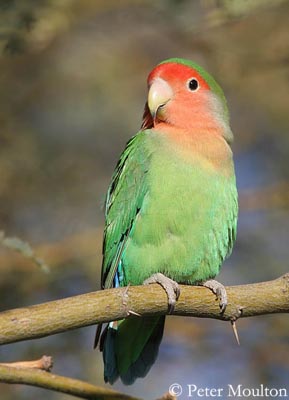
x: 219, y: 290
x: 171, y: 287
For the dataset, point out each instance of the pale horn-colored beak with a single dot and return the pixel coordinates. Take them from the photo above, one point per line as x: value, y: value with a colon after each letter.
x: 159, y: 94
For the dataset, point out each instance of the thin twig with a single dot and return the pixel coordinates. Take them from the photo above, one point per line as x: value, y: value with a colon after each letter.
x: 24, y: 248
x: 45, y: 363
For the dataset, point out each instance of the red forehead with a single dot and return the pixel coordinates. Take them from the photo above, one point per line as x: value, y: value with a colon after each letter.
x: 174, y: 72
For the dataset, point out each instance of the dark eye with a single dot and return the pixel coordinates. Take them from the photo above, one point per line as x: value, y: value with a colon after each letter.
x: 193, y: 84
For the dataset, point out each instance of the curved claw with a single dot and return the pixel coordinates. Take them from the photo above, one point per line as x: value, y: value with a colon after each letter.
x: 219, y: 290
x: 171, y: 287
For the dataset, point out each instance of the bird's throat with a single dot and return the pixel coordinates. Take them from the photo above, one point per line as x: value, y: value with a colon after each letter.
x: 205, y: 147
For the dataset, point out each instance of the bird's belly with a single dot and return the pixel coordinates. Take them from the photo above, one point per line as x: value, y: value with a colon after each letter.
x: 181, y: 230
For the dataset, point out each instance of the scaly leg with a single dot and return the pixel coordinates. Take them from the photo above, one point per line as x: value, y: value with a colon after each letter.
x: 171, y: 287
x: 219, y: 290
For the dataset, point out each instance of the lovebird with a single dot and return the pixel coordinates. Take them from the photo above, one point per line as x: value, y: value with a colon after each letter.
x: 171, y: 208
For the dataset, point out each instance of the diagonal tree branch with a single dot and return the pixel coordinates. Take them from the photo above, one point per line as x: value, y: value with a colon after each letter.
x: 114, y: 304
x: 58, y: 383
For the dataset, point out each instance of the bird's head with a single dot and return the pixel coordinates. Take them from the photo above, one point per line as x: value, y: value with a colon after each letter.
x: 184, y: 95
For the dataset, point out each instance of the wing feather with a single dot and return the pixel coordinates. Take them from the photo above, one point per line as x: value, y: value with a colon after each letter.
x: 123, y: 202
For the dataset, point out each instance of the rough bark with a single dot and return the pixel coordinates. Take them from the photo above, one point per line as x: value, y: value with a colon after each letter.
x: 113, y: 304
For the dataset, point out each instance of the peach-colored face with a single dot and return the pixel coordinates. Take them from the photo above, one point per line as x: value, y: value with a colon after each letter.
x: 179, y: 96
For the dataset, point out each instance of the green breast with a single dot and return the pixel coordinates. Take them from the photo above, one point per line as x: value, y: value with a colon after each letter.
x: 187, y: 223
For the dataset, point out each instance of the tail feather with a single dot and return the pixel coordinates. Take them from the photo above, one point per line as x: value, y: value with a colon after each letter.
x: 97, y: 335
x: 147, y: 357
x: 130, y: 351
x: 110, y: 369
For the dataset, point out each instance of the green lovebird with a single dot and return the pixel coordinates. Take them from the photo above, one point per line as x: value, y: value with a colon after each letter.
x: 171, y: 207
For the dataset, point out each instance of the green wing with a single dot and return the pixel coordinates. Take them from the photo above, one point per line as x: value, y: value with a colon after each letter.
x: 123, y: 202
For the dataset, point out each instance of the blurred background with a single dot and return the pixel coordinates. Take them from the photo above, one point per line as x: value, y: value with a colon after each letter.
x: 72, y: 89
